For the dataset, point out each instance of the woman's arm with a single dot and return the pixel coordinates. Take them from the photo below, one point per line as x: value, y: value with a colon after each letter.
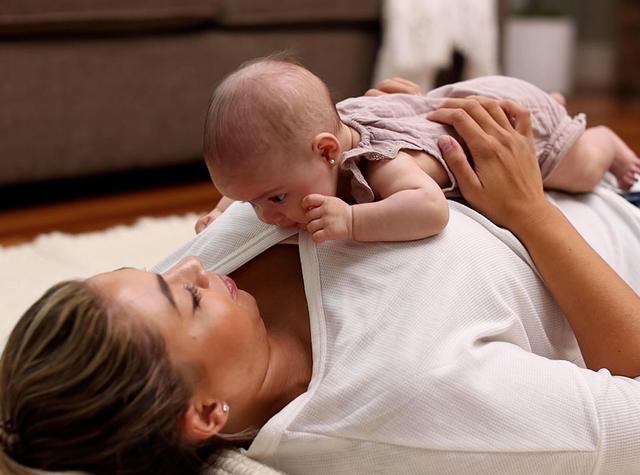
x: 506, y: 186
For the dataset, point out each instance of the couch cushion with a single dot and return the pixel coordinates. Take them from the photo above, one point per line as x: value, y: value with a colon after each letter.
x: 110, y: 103
x: 46, y: 16
x: 287, y: 12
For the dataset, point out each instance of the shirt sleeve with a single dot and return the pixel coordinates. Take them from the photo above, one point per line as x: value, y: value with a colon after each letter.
x: 510, y: 402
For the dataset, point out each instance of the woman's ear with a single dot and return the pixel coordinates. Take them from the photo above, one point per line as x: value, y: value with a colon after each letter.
x: 326, y: 146
x: 204, y: 419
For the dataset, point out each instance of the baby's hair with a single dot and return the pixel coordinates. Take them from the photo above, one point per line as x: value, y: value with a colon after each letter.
x: 268, y: 105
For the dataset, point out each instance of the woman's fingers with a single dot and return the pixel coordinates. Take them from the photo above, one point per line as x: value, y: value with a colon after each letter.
x: 374, y: 92
x: 468, y: 128
x: 506, y: 177
x: 472, y: 108
x: 398, y: 85
x: 394, y: 85
x: 495, y: 110
x: 410, y: 86
x: 456, y: 159
x: 519, y: 116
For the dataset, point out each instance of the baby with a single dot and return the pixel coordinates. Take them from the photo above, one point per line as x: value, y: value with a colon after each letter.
x: 369, y: 169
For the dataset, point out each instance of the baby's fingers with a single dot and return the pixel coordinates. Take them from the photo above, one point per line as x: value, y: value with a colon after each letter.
x: 203, y: 222
x: 312, y: 201
x: 206, y: 219
x: 315, y: 225
x: 313, y: 213
x: 320, y: 236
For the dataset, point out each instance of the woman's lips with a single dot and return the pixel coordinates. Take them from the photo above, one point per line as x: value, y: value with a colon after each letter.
x: 231, y: 285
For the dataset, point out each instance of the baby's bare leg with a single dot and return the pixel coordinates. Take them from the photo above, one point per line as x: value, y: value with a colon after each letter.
x: 599, y: 149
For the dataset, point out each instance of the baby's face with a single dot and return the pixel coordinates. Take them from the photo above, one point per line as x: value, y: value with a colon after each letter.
x: 275, y: 187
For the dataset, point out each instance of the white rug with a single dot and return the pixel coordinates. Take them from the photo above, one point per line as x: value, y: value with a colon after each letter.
x: 27, y: 270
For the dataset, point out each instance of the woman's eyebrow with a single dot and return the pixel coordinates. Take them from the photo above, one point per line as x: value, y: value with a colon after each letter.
x: 166, y: 291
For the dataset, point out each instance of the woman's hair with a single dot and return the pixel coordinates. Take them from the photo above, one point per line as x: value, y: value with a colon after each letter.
x: 84, y: 387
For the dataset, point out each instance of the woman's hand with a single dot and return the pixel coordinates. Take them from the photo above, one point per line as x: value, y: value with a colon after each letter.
x: 506, y: 186
x: 505, y: 182
x: 394, y: 86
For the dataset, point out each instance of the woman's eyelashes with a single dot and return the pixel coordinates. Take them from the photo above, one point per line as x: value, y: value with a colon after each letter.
x: 278, y: 198
x: 196, y: 295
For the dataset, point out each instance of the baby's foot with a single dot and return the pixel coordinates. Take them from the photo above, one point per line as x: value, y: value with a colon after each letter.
x: 626, y: 164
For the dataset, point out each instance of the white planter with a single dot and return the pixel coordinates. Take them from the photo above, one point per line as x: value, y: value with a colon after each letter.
x: 541, y: 51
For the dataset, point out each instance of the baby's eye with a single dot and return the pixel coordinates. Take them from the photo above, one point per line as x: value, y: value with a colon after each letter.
x: 277, y: 198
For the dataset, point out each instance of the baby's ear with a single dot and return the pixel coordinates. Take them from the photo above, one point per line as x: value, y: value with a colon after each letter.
x: 327, y: 146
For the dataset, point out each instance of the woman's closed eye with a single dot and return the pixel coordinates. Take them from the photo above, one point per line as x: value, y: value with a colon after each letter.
x: 196, y: 295
x: 278, y: 198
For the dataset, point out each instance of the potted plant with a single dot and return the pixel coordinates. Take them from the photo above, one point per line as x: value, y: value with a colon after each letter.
x: 539, y: 46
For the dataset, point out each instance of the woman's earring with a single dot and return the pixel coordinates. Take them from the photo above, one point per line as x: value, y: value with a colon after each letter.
x: 225, y: 407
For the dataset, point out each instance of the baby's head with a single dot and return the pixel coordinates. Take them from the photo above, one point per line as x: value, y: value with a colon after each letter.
x: 271, y: 138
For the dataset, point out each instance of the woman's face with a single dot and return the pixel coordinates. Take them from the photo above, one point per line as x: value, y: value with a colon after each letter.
x: 206, y: 321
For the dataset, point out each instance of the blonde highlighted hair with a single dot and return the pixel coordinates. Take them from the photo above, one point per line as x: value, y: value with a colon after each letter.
x: 84, y: 387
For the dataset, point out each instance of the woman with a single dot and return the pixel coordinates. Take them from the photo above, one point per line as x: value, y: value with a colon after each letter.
x: 145, y: 372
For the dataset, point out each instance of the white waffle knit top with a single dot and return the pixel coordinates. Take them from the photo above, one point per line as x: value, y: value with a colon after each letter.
x: 445, y: 355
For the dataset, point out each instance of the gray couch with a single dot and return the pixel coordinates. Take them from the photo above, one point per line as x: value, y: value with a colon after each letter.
x: 110, y: 85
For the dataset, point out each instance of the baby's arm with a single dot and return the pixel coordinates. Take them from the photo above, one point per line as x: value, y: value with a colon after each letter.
x: 411, y: 206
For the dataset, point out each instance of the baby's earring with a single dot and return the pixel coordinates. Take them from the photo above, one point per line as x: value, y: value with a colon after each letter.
x: 332, y: 162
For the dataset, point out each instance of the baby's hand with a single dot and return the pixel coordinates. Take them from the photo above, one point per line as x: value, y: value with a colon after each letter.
x: 328, y: 218
x: 206, y: 219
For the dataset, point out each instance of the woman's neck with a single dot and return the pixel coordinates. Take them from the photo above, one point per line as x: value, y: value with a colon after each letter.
x: 288, y: 376
x: 274, y: 278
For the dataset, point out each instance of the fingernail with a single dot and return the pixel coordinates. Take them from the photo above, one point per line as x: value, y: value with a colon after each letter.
x: 445, y: 143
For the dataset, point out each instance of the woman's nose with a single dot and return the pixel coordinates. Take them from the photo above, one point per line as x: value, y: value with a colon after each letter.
x: 189, y: 269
